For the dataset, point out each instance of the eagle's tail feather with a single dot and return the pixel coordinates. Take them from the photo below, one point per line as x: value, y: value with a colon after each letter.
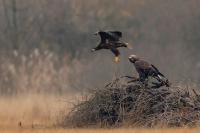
x: 159, y: 73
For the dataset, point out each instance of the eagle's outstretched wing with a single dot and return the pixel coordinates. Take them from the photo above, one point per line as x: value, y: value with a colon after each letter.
x: 116, y: 33
x: 110, y: 36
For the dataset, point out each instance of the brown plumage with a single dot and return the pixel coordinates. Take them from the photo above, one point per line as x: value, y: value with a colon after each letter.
x: 110, y: 40
x: 145, y: 70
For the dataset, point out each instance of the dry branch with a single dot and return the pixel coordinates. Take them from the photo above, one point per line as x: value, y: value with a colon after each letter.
x: 134, y: 104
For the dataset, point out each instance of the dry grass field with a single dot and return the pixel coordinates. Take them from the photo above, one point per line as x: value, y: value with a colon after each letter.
x: 39, y: 117
x: 35, y: 111
x: 55, y: 130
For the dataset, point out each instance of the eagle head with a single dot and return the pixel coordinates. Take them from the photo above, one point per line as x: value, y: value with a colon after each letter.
x: 133, y: 58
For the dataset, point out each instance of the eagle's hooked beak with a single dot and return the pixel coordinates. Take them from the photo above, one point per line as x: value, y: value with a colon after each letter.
x: 131, y: 59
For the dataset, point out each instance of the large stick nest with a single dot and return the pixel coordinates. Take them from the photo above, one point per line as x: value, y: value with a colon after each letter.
x: 135, y: 105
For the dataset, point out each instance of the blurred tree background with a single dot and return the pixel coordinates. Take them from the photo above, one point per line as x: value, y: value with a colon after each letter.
x: 165, y: 32
x: 67, y: 25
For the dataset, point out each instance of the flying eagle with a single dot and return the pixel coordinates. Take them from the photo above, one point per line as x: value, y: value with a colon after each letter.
x: 110, y: 40
x: 145, y: 69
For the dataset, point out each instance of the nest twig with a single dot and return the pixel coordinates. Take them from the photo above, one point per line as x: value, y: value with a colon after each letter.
x: 133, y: 104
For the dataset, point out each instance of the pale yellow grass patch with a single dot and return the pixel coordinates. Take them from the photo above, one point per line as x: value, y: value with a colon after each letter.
x: 38, y: 113
x: 32, y: 110
x: 181, y: 130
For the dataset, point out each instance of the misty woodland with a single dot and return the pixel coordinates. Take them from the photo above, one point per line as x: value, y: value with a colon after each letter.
x: 140, y: 70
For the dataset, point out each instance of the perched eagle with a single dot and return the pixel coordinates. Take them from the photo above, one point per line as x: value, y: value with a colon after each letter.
x: 110, y: 40
x: 145, y: 69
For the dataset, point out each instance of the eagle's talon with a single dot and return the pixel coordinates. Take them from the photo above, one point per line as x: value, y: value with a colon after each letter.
x: 117, y: 60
